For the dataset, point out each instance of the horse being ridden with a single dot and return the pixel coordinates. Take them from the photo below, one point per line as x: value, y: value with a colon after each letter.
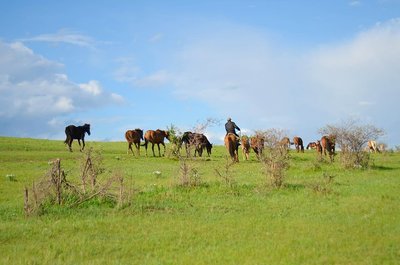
x: 76, y: 132
x: 232, y: 146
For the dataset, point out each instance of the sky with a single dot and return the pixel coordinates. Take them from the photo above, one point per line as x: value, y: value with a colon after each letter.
x: 290, y: 65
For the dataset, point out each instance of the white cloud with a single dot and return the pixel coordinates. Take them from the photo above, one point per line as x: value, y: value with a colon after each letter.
x: 35, y: 92
x: 64, y: 36
x: 93, y: 87
x: 242, y: 74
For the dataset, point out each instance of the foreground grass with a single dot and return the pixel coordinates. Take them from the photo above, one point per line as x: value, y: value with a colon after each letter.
x: 352, y: 220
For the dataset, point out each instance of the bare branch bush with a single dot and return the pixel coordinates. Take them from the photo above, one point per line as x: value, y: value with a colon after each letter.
x: 276, y: 158
x: 351, y: 138
x: 226, y: 173
x: 55, y: 189
x: 202, y: 126
x: 189, y: 176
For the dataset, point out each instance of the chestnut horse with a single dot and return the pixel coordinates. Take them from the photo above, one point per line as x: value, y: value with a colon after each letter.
x: 298, y: 143
x: 133, y: 137
x: 257, y: 143
x: 232, y: 146
x: 328, y: 144
x: 155, y: 137
x: 245, y: 147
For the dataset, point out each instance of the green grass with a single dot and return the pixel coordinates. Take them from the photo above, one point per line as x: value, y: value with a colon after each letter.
x: 355, y: 219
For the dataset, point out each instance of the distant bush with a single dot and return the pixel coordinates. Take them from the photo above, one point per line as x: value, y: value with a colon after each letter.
x: 352, y: 138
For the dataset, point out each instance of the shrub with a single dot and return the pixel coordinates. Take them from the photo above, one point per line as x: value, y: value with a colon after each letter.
x: 351, y: 138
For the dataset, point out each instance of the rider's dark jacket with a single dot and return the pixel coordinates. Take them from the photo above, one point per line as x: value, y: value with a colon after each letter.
x: 230, y: 127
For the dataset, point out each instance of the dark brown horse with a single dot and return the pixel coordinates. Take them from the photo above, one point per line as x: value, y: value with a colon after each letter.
x: 232, y: 145
x: 245, y: 147
x: 197, y: 140
x: 155, y: 137
x: 328, y: 144
x: 257, y: 143
x: 133, y: 137
x: 298, y: 143
x: 76, y: 132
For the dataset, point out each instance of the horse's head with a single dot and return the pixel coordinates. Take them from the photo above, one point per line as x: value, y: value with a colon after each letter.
x: 209, y: 147
x: 86, y: 128
x: 140, y: 132
x: 167, y: 135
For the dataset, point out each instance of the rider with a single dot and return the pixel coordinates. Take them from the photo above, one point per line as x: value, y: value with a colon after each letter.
x: 230, y: 127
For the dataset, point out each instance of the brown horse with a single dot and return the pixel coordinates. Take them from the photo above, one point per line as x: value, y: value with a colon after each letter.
x: 155, y: 137
x: 298, y: 143
x: 257, y: 143
x: 245, y: 147
x: 232, y: 146
x: 311, y: 145
x: 328, y: 144
x: 285, y: 142
x: 133, y: 137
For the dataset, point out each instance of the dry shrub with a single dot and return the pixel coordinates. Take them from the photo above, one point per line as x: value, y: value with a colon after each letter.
x: 226, y: 173
x: 55, y: 189
x: 189, y: 176
x: 276, y: 158
x: 352, y: 138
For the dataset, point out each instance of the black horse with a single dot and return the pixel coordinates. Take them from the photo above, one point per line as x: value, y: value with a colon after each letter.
x: 73, y: 132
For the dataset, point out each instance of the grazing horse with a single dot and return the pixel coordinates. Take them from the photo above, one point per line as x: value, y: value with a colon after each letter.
x: 76, y: 132
x: 328, y: 144
x: 298, y: 143
x: 133, y: 137
x: 257, y: 143
x: 285, y: 142
x: 373, y: 147
x: 318, y: 147
x: 232, y: 145
x: 198, y: 141
x: 201, y: 142
x: 311, y: 145
x: 245, y: 147
x: 155, y: 137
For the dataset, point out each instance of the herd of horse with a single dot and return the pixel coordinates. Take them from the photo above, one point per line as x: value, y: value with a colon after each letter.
x: 199, y: 142
x: 324, y: 146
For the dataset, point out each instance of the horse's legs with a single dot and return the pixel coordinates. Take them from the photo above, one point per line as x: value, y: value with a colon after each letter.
x: 152, y: 148
x: 137, y: 148
x: 164, y: 148
x: 83, y: 143
x: 129, y: 148
x: 70, y: 144
x: 145, y: 145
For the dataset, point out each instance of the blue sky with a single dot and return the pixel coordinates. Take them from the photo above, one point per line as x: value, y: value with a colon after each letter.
x: 118, y: 65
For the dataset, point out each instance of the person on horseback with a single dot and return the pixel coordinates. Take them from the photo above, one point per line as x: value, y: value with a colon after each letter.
x: 231, y: 127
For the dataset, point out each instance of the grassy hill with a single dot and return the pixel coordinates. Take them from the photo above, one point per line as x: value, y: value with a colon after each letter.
x: 322, y: 215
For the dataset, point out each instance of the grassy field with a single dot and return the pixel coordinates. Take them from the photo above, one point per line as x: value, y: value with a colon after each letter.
x: 353, y: 219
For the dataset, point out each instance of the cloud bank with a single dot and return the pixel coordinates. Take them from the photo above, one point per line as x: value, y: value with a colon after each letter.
x: 262, y: 84
x: 35, y: 93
